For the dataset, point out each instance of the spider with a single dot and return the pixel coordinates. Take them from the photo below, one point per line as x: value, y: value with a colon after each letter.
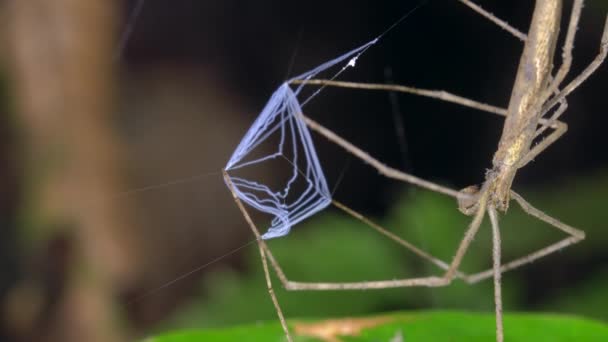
x: 536, y: 92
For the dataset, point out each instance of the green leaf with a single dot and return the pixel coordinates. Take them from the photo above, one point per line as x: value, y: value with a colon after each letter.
x: 409, y: 326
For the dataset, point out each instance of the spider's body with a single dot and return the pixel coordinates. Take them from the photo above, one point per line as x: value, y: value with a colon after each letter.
x: 527, y: 99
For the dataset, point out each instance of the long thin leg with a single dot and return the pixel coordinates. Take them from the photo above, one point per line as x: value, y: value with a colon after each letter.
x: 476, y: 222
x: 552, y: 122
x: 553, y: 137
x: 435, y: 94
x: 396, y: 174
x: 375, y: 163
x: 273, y: 296
x: 559, y: 98
x: 432, y: 281
x: 439, y: 263
x: 421, y: 253
x: 575, y: 15
x: 560, y: 129
x: 589, y: 70
x: 501, y: 23
x: 468, y: 236
x: 263, y: 248
x: 553, y: 88
x: 294, y: 286
x: 575, y: 235
x: 441, y: 95
x: 290, y: 285
x: 496, y: 246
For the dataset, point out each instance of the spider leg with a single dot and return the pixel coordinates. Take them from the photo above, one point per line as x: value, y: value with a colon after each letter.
x: 575, y: 15
x: 408, y: 245
x: 262, y: 248
x: 582, y: 77
x: 432, y: 281
x: 501, y: 23
x: 560, y: 128
x: 378, y: 165
x: 435, y: 94
x: 496, y: 246
x: 575, y: 235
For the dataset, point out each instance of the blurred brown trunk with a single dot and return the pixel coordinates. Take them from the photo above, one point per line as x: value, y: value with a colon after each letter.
x: 62, y: 68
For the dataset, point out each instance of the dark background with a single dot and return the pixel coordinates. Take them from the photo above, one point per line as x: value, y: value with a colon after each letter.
x: 444, y: 45
x: 194, y: 74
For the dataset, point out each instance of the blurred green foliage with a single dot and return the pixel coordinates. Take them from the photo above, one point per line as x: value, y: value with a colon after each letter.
x: 419, y: 326
x: 335, y: 247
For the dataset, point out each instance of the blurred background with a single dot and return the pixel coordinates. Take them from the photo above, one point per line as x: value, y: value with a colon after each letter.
x: 117, y: 116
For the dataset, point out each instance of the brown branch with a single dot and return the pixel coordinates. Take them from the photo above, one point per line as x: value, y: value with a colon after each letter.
x: 62, y: 67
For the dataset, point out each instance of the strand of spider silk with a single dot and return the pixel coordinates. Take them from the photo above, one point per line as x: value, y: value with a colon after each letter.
x: 397, y: 121
x: 281, y: 111
x: 284, y: 108
x: 259, y: 130
x: 189, y: 273
x: 341, y: 176
x: 167, y: 184
x: 285, y: 215
x: 316, y: 195
x: 130, y: 26
x: 276, y: 97
x: 352, y: 61
x: 309, y: 179
x: 284, y: 105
